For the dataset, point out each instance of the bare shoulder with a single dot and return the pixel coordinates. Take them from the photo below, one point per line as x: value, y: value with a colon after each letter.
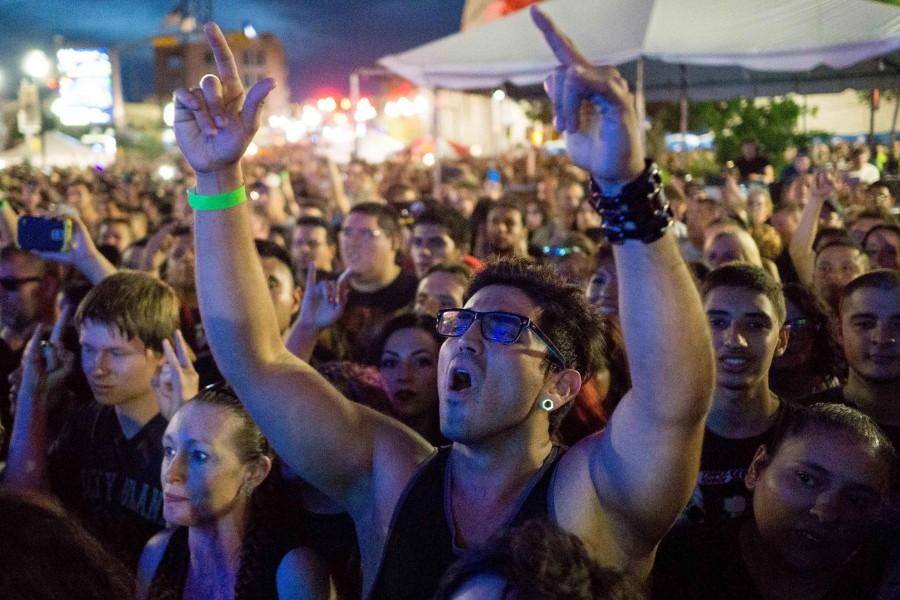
x: 303, y: 574
x: 151, y: 556
x: 395, y: 455
x: 586, y: 504
x: 577, y: 505
x: 398, y: 454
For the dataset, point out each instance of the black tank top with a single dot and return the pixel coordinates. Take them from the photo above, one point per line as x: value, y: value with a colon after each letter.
x: 420, y: 545
x: 171, y: 573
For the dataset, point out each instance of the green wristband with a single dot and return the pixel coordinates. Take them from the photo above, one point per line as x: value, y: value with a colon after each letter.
x: 217, y: 201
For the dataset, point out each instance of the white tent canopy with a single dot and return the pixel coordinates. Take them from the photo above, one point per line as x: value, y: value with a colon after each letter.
x: 60, y: 150
x: 707, y: 49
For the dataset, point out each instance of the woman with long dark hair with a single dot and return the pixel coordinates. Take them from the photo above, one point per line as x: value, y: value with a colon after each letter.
x: 813, y: 361
x: 406, y: 353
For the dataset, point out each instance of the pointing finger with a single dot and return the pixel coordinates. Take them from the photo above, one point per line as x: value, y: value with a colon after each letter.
x: 225, y: 64
x: 558, y: 41
x: 310, y: 275
x: 343, y: 286
x: 60, y: 325
x: 181, y: 351
x: 171, y: 358
x: 32, y: 349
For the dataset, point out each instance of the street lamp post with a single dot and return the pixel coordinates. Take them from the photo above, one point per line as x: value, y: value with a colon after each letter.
x: 29, y: 114
x: 36, y: 67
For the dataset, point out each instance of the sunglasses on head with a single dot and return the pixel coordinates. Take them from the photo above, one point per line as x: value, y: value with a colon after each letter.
x: 496, y: 326
x: 11, y: 284
x: 560, y: 251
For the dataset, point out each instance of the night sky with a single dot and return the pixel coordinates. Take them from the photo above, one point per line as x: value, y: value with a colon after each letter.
x: 323, y: 39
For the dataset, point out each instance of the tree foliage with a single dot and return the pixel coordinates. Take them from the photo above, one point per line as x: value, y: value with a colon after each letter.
x: 771, y: 123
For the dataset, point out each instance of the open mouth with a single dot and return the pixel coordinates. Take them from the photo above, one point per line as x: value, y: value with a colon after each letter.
x: 734, y: 361
x: 460, y: 380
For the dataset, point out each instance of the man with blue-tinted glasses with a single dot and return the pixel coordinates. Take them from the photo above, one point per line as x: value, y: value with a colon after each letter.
x: 511, y: 366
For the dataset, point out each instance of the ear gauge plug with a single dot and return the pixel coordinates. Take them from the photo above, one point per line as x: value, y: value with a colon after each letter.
x: 547, y: 404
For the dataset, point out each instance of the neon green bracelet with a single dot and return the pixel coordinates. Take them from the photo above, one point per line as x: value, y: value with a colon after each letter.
x: 217, y: 201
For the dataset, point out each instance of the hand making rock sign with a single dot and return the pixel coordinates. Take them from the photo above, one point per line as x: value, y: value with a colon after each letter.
x: 214, y: 123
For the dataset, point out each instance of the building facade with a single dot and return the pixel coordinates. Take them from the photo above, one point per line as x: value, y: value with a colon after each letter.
x: 182, y: 62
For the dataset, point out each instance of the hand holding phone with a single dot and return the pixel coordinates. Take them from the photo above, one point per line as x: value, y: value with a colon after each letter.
x: 46, y: 234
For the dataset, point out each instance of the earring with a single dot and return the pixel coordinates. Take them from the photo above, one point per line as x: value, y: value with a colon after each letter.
x: 547, y: 404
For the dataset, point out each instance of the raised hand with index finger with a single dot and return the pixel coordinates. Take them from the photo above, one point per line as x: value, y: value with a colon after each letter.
x: 214, y: 123
x: 606, y: 139
x: 176, y: 381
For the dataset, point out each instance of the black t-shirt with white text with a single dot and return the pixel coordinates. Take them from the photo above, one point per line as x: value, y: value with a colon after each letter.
x: 112, y: 483
x: 720, y: 494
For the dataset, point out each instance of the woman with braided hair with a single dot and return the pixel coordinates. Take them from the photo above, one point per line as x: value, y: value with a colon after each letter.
x: 227, y: 506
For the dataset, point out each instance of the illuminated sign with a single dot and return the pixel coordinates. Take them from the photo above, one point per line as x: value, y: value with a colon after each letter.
x: 85, y: 87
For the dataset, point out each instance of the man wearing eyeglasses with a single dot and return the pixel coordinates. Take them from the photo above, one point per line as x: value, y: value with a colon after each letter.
x: 514, y: 360
x: 28, y: 288
x: 370, y: 240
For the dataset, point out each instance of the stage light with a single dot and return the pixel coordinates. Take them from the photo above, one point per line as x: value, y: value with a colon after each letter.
x: 36, y: 64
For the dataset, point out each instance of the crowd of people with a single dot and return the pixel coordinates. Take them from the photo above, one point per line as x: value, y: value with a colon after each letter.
x: 545, y: 378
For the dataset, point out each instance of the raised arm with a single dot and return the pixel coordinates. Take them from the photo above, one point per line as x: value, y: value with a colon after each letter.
x: 622, y: 489
x: 44, y: 369
x: 323, y: 304
x: 9, y: 221
x: 801, y: 246
x: 337, y: 188
x: 325, y: 438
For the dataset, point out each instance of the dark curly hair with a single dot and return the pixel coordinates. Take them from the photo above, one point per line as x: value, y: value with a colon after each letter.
x: 827, y: 356
x: 565, y: 316
x: 406, y: 320
x: 751, y: 277
x: 539, y: 560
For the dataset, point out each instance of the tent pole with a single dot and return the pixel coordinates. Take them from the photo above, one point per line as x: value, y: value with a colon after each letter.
x: 354, y: 101
x: 683, y: 101
x: 894, y: 120
x: 872, y: 124
x: 640, y: 101
x: 435, y: 135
